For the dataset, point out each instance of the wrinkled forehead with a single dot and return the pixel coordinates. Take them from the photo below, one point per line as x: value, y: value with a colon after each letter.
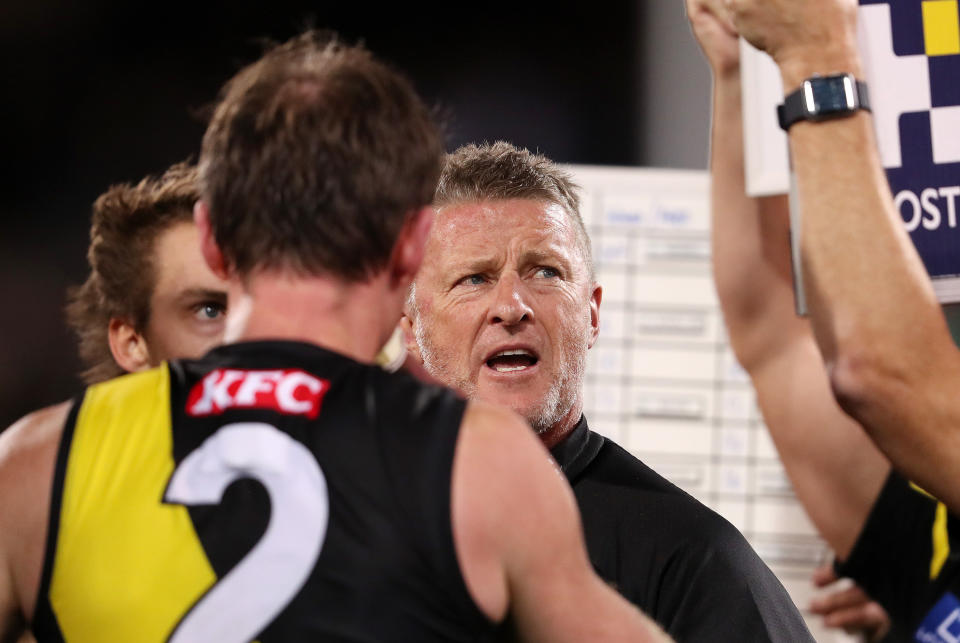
x: 500, y: 226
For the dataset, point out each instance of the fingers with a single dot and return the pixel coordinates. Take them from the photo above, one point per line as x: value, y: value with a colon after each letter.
x: 789, y: 26
x: 877, y: 615
x: 824, y: 575
x: 869, y: 619
x: 849, y: 608
x: 853, y: 619
x: 852, y: 610
x: 839, y: 600
x: 715, y: 34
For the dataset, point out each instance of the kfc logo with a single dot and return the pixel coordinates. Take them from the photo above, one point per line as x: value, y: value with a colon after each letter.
x: 291, y: 391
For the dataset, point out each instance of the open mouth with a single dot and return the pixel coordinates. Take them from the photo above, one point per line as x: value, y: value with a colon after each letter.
x: 512, y: 360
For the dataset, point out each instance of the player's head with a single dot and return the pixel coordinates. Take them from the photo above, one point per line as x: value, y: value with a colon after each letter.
x: 149, y: 296
x: 505, y: 306
x: 317, y: 157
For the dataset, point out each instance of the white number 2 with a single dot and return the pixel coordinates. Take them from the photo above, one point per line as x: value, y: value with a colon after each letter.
x: 254, y: 592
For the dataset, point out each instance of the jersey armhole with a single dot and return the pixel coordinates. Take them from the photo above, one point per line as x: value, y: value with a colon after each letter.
x: 44, y: 622
x: 426, y: 475
x: 464, y: 597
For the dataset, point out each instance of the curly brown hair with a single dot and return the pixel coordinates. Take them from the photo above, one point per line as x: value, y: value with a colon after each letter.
x: 127, y: 219
x: 314, y: 159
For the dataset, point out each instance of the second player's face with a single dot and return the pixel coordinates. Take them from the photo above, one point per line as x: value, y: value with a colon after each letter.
x: 507, y: 308
x: 188, y: 304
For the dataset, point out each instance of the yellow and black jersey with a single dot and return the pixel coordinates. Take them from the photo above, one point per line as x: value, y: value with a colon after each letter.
x: 272, y: 491
x: 907, y: 558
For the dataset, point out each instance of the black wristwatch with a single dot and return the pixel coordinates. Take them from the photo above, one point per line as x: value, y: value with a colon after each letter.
x: 823, y: 97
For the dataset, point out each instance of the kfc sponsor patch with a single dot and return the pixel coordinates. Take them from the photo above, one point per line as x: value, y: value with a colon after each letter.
x: 291, y: 392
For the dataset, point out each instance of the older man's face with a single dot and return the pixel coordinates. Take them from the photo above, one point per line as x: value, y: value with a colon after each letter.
x: 505, y: 308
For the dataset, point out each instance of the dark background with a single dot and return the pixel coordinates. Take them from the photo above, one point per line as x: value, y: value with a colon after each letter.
x: 99, y: 92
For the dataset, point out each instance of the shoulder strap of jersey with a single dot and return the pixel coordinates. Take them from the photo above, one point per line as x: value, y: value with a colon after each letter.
x: 114, y: 453
x: 420, y: 466
x: 44, y: 623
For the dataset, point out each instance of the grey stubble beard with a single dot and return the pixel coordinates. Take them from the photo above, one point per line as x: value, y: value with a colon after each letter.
x: 555, y: 404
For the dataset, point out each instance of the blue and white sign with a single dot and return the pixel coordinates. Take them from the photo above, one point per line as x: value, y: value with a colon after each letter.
x: 942, y: 623
x: 911, y: 52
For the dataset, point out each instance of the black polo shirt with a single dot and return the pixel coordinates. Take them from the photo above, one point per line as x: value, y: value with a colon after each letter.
x: 671, y: 556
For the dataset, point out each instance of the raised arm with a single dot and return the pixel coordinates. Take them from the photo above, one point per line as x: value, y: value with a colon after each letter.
x: 891, y: 362
x: 835, y: 469
x: 519, y: 540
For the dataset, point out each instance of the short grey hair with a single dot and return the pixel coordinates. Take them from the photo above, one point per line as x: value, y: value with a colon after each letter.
x: 501, y: 171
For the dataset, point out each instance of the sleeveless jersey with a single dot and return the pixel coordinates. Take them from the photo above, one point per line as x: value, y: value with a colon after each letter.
x: 272, y: 491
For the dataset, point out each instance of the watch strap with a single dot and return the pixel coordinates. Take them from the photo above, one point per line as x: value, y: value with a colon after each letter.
x: 824, y: 97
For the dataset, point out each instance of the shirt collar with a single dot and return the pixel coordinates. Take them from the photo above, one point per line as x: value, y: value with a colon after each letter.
x: 577, y: 450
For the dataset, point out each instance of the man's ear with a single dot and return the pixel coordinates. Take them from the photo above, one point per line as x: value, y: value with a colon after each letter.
x: 411, y: 245
x: 595, y: 298
x: 129, y: 348
x: 208, y: 246
x: 409, y: 338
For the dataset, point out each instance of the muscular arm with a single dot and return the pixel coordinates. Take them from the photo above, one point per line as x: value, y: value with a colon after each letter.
x: 519, y: 540
x: 891, y: 362
x: 11, y: 619
x: 835, y: 469
x: 27, y: 455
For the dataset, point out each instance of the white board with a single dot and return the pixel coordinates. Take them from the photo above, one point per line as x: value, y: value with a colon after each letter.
x: 662, y: 380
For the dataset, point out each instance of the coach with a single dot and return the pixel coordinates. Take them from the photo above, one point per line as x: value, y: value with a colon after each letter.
x: 504, y: 309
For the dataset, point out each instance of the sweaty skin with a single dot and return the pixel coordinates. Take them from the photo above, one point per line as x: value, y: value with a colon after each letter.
x: 505, y: 309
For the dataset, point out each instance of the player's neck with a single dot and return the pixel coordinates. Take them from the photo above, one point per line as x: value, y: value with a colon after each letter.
x: 351, y: 319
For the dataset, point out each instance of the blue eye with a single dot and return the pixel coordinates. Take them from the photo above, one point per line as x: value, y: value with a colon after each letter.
x: 473, y: 280
x: 547, y: 273
x: 209, y: 311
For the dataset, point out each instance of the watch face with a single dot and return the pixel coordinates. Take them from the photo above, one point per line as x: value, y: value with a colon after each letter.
x: 823, y: 97
x: 830, y: 94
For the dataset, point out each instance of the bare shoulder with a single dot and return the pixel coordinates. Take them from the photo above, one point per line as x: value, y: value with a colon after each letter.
x: 502, y: 488
x: 481, y: 416
x: 30, y: 441
x: 490, y: 426
x: 28, y: 450
x: 505, y: 474
x: 500, y: 446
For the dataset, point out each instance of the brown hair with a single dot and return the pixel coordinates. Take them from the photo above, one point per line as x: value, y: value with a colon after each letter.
x: 127, y: 219
x: 315, y: 156
x: 503, y: 171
